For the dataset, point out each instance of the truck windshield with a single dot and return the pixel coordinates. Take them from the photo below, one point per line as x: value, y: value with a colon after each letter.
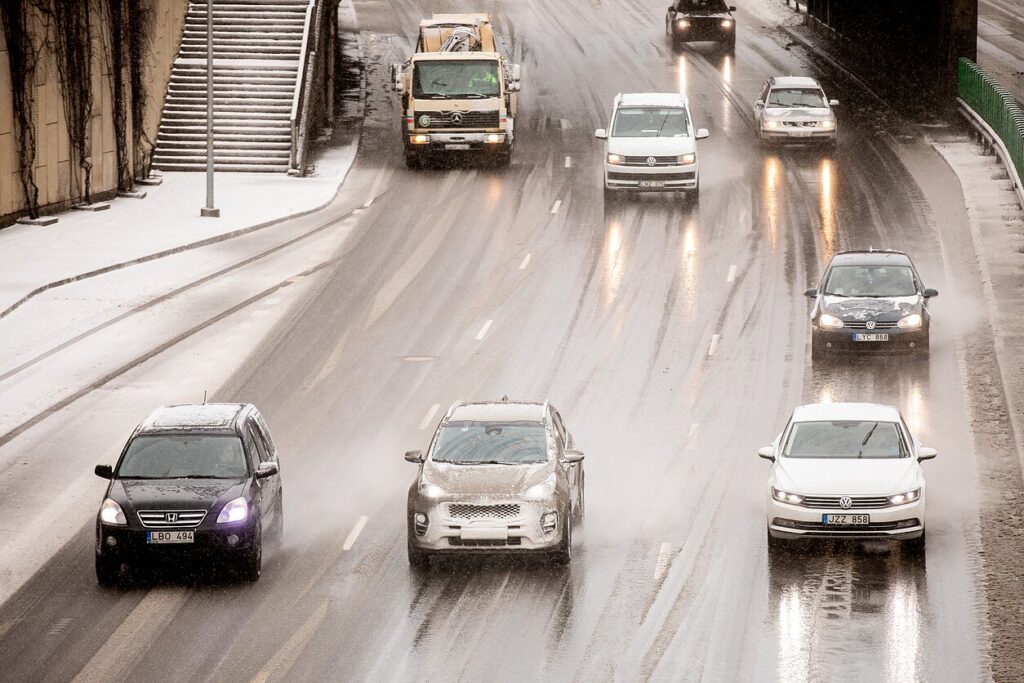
x: 456, y: 79
x: 650, y: 122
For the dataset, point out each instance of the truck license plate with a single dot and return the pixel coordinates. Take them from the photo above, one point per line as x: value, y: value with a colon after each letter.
x: 170, y: 537
x: 845, y: 520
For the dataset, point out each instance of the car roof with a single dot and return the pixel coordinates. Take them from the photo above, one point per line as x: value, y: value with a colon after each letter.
x: 657, y: 99
x: 871, y: 257
x: 499, y: 411
x: 818, y: 412
x: 794, y: 82
x: 218, y: 418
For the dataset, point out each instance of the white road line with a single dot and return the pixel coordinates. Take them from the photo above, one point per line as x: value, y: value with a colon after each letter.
x: 565, y: 124
x: 568, y: 161
x: 290, y: 651
x: 429, y: 416
x: 732, y: 274
x: 556, y: 206
x: 661, y: 567
x: 350, y: 540
x: 693, y: 430
x: 714, y: 344
x: 483, y: 330
x: 526, y: 262
x: 373, y: 189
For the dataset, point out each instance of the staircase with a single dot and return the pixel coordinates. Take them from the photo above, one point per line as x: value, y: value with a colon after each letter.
x: 257, y: 46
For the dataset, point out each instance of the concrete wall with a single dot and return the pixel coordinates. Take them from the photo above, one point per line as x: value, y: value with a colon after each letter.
x: 59, y: 183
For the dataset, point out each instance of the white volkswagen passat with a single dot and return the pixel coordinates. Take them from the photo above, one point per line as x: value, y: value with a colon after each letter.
x: 846, y: 470
x: 651, y: 145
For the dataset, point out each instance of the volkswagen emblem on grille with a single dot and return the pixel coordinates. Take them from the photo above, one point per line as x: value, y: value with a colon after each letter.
x: 651, y: 161
x: 424, y: 121
x: 870, y: 324
x: 456, y: 117
x: 845, y: 502
x: 171, y: 517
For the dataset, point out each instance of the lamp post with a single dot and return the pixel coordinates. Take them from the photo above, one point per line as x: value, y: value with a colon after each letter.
x: 209, y: 209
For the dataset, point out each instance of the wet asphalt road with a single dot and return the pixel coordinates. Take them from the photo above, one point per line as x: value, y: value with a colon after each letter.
x: 473, y: 283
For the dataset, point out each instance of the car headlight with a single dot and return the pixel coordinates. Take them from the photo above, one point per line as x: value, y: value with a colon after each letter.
x: 828, y: 320
x: 687, y: 158
x: 908, y: 497
x: 616, y: 159
x: 786, y: 497
x: 543, y: 489
x: 683, y: 23
x: 827, y: 124
x: 771, y: 124
x: 111, y: 513
x: 493, y: 138
x: 419, y: 139
x: 233, y: 511
x: 726, y: 23
x: 431, y: 490
x: 910, y: 321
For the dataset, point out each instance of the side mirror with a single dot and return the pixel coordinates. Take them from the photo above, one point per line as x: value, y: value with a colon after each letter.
x: 929, y: 293
x: 833, y: 103
x: 759, y: 103
x: 104, y: 471
x: 732, y: 8
x: 672, y: 9
x: 414, y: 456
x: 768, y: 453
x: 267, y: 469
x: 601, y: 134
x: 517, y: 72
x: 811, y: 292
x: 572, y: 456
x: 925, y: 453
x: 702, y: 133
x: 514, y: 86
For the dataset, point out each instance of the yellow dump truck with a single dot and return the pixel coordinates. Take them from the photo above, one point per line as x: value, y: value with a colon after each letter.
x: 458, y: 92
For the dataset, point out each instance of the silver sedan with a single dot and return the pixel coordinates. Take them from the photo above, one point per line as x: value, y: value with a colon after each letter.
x: 499, y: 476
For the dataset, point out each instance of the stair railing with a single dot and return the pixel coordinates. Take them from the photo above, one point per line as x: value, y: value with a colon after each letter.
x: 300, y: 97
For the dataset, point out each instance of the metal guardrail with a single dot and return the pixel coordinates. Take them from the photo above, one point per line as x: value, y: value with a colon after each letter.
x: 996, y: 107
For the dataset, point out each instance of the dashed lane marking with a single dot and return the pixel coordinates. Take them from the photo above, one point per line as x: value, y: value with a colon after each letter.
x: 350, y: 540
x: 732, y: 274
x: 483, y: 330
x: 428, y: 418
x: 568, y: 162
x: 693, y: 430
x: 374, y: 188
x: 664, y: 560
x: 557, y: 205
x: 526, y: 262
x: 714, y: 344
x: 288, y: 654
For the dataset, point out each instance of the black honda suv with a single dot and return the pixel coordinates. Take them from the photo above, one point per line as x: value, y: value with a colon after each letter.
x: 193, y: 482
x: 870, y: 300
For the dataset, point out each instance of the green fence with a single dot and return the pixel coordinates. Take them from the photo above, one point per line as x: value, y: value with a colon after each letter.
x: 996, y: 106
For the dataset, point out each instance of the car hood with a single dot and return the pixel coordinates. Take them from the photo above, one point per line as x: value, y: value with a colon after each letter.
x: 643, y: 147
x: 485, y: 480
x: 855, y: 308
x: 697, y: 14
x: 168, y: 494
x: 797, y: 114
x: 846, y: 476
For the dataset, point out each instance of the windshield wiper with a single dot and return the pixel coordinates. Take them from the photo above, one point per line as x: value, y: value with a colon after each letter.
x: 475, y: 95
x: 866, y: 439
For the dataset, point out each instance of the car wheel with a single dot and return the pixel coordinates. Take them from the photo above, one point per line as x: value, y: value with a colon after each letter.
x: 818, y: 350
x: 251, y: 566
x: 916, y: 545
x: 610, y: 196
x: 279, y: 520
x: 418, y: 558
x: 923, y: 349
x: 777, y: 545
x: 564, y: 553
x: 108, y: 572
x: 730, y: 45
x: 694, y: 194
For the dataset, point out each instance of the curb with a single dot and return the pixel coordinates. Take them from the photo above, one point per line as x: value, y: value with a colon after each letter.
x: 979, y: 124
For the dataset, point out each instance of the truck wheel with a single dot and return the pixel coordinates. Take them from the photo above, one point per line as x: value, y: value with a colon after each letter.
x: 504, y: 159
x: 413, y: 162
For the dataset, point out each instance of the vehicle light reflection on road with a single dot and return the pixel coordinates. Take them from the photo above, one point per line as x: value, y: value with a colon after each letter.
x: 827, y: 211
x: 614, y: 262
x: 772, y: 180
x: 688, y: 271
x: 493, y: 192
x: 903, y: 633
x: 793, y: 655
x: 727, y: 105
x: 915, y: 413
x: 825, y: 396
x: 682, y: 74
x: 727, y: 69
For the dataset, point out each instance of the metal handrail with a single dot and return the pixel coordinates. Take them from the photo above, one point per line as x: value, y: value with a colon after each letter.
x: 300, y: 83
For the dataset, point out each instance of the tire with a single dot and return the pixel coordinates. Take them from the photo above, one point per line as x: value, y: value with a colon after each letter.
x: 108, y: 573
x: 563, y: 555
x: 923, y: 350
x: 818, y: 351
x: 610, y: 197
x: 581, y: 511
x: 251, y: 566
x: 776, y: 546
x: 504, y: 159
x: 694, y: 194
x: 730, y: 45
x: 278, y: 531
x: 916, y: 546
x: 418, y: 559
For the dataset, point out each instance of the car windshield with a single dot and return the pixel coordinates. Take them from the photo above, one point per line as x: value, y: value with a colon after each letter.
x: 473, y: 79
x: 184, y: 456
x: 491, y: 443
x: 702, y: 6
x: 650, y: 122
x: 793, y: 98
x: 845, y: 439
x: 870, y: 281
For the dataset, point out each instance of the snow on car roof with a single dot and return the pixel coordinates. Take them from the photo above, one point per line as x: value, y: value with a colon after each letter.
x: 868, y: 412
x: 870, y: 258
x: 500, y: 411
x: 794, y: 82
x: 198, y: 416
x: 657, y: 99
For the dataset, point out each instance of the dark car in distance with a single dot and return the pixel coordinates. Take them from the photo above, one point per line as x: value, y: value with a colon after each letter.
x: 695, y: 20
x: 196, y: 482
x: 870, y: 300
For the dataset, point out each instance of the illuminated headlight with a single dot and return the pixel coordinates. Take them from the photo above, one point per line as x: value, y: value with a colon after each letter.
x: 543, y: 489
x: 492, y: 137
x: 726, y: 23
x: 431, y: 490
x: 419, y: 139
x: 784, y: 497
x: 683, y: 23
x: 111, y: 513
x: 548, y: 522
x: 911, y: 321
x: 828, y: 320
x: 827, y: 124
x: 908, y: 497
x: 687, y: 158
x: 771, y: 124
x: 616, y: 159
x: 233, y: 511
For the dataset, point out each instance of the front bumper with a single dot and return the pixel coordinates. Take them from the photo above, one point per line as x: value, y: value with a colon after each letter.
x: 900, y: 339
x: 798, y: 134
x: 900, y: 522
x: 650, y: 178
x: 706, y: 29
x: 449, y: 142
x: 130, y: 544
x: 521, y: 531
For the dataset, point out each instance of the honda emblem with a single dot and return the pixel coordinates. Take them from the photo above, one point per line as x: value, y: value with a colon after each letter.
x: 171, y: 517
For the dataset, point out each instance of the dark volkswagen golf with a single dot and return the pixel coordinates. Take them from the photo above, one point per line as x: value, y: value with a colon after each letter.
x: 193, y: 483
x: 870, y: 301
